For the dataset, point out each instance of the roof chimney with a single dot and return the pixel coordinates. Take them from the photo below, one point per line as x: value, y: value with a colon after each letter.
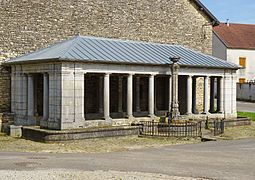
x: 227, y: 22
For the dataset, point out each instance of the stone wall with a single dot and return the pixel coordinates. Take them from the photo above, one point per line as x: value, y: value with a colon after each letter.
x: 5, y: 86
x: 246, y: 91
x: 29, y: 25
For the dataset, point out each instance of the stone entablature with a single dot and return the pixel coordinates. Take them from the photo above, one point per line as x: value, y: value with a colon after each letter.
x: 65, y: 81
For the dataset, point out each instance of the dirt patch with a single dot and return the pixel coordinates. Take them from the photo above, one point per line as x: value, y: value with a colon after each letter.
x: 96, y: 145
x: 239, y: 132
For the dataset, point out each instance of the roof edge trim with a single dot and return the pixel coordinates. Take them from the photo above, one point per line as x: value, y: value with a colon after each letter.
x: 215, y: 21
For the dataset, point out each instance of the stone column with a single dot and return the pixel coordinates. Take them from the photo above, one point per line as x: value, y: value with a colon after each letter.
x: 130, y: 96
x: 151, y: 96
x: 221, y: 95
x: 206, y: 95
x: 45, y: 96
x: 137, y: 107
x: 194, y: 95
x: 107, y: 97
x: 120, y: 93
x: 175, y: 102
x: 189, y: 95
x: 30, y: 104
x: 100, y: 96
x: 212, y: 95
x: 170, y: 93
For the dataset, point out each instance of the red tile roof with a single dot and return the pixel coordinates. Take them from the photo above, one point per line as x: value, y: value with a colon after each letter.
x: 236, y: 36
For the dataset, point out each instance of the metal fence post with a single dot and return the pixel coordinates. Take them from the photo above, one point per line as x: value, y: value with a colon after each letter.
x: 214, y: 122
x: 152, y: 127
x: 186, y: 128
x: 206, y: 123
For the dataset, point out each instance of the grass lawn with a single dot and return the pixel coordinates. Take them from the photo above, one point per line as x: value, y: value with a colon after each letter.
x: 247, y: 114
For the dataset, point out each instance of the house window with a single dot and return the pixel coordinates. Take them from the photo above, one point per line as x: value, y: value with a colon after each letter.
x: 242, y: 80
x: 242, y: 61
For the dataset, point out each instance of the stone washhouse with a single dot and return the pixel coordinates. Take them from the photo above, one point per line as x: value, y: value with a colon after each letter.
x: 91, y: 81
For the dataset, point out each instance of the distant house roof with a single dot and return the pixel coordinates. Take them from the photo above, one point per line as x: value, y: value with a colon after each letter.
x: 103, y: 50
x: 202, y: 7
x: 236, y: 36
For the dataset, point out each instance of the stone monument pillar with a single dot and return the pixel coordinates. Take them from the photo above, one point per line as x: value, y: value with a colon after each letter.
x: 175, y: 113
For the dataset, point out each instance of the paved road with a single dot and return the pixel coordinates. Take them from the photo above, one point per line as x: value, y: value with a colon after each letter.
x: 245, y: 106
x: 218, y: 160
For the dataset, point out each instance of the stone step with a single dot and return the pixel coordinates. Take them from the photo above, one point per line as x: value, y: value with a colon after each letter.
x: 208, y: 138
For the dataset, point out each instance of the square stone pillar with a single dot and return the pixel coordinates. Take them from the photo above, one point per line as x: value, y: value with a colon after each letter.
x: 151, y: 96
x: 30, y: 99
x: 130, y: 96
x: 55, y: 95
x: 24, y: 97
x: 79, y: 99
x: 228, y: 93
x: 20, y: 98
x: 189, y: 95
x: 45, y: 97
x: 72, y: 99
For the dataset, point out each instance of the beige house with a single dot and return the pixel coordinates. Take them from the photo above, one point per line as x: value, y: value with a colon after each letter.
x: 88, y: 81
x: 236, y: 43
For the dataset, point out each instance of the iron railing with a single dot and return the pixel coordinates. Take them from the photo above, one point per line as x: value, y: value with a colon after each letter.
x: 184, y: 129
x: 217, y: 126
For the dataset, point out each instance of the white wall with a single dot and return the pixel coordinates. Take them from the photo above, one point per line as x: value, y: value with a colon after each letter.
x: 219, y: 49
x: 249, y: 72
x: 246, y: 92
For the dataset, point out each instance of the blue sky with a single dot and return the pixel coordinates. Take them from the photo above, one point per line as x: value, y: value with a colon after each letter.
x: 237, y: 11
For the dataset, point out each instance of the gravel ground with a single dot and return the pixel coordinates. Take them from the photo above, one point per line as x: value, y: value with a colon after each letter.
x: 59, y: 174
x: 96, y: 145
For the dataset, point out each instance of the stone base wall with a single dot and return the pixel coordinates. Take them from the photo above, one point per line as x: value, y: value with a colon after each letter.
x: 36, y: 134
x: 6, y: 119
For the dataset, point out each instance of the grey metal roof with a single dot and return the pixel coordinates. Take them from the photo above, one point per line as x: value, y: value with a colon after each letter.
x: 94, y: 49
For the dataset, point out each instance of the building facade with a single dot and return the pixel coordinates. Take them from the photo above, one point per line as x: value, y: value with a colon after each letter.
x: 88, y: 81
x: 236, y: 43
